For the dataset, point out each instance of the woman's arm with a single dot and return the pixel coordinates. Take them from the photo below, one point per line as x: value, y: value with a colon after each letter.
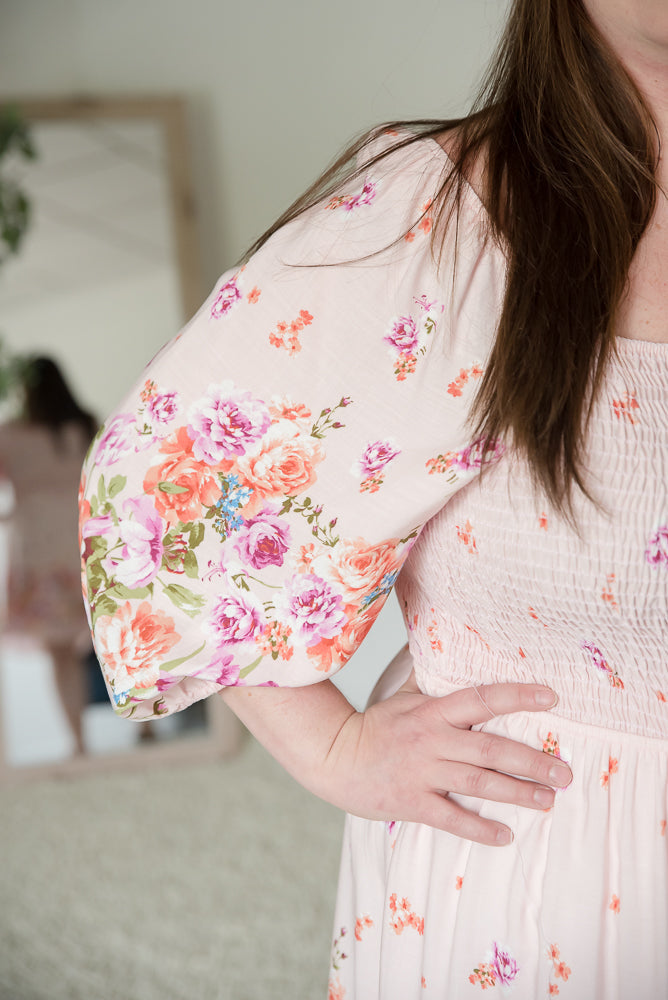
x: 398, y: 759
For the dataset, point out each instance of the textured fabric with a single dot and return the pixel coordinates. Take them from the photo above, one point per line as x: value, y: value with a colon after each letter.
x: 498, y: 588
x: 248, y: 507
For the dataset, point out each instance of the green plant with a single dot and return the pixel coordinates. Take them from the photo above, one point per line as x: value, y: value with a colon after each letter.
x: 15, y: 140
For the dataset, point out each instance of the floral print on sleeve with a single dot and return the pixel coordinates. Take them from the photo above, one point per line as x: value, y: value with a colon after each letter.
x: 372, y: 463
x: 407, y: 336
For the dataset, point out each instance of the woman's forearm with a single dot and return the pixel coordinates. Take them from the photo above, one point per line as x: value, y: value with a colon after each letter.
x: 298, y: 726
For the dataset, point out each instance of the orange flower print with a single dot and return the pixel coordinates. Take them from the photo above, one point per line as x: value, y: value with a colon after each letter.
x: 551, y: 745
x: 403, y: 916
x: 661, y: 696
x: 286, y: 335
x: 253, y: 295
x: 522, y: 653
x: 182, y: 486
x: 274, y: 641
x: 626, y: 407
x: 559, y: 969
x: 613, y: 767
x: 336, y: 991
x: 423, y: 983
x: 456, y: 386
x: 424, y: 225
x: 607, y: 594
x: 282, y: 464
x: 132, y: 643
x: 432, y: 632
x: 533, y: 614
x: 614, y: 904
x: 542, y: 521
x: 360, y: 924
x: 459, y: 882
x: 476, y: 632
x: 282, y: 408
x: 465, y: 536
x: 662, y: 827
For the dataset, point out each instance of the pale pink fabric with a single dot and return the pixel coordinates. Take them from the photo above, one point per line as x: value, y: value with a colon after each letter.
x: 498, y: 588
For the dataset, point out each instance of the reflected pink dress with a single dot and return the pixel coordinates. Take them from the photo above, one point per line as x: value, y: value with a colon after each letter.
x: 302, y: 446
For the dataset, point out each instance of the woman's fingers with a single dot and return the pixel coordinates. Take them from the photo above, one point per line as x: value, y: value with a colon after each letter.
x: 442, y: 813
x: 474, y: 705
x: 500, y: 754
x: 466, y: 779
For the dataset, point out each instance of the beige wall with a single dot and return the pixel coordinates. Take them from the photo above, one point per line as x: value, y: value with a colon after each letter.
x: 273, y: 89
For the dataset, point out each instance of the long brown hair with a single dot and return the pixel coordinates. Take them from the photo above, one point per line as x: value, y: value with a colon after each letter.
x: 568, y: 150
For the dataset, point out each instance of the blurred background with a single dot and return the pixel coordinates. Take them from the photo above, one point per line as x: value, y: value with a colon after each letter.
x: 172, y: 860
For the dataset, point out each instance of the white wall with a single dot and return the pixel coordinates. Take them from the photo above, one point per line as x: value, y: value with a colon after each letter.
x: 274, y: 91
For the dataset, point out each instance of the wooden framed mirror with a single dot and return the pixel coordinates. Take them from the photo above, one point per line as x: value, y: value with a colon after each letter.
x: 109, y: 271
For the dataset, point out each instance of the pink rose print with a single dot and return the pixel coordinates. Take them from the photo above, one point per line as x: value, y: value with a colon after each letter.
x: 403, y: 335
x: 505, y: 966
x: 468, y: 458
x: 163, y: 407
x: 372, y: 463
x: 98, y: 526
x: 117, y: 441
x: 601, y: 663
x: 656, y: 552
x: 227, y: 297
x: 222, y: 669
x: 501, y: 968
x: 235, y: 619
x: 263, y: 541
x: 139, y: 560
x: 226, y: 422
x: 312, y: 608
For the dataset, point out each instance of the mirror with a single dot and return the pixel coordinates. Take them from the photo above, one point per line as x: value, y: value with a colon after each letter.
x: 107, y: 273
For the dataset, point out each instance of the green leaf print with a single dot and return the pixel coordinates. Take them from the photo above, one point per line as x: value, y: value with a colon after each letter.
x: 172, y: 664
x: 116, y: 485
x: 171, y: 488
x: 196, y: 533
x: 185, y: 599
x: 251, y: 666
x: 105, y: 606
x: 124, y: 593
x: 190, y: 566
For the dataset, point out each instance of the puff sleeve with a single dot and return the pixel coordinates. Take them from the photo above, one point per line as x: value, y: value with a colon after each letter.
x: 248, y: 507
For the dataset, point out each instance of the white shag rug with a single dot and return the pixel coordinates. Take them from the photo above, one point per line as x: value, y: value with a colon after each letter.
x: 207, y: 882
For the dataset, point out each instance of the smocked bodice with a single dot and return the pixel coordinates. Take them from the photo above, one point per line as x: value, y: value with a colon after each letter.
x: 500, y: 588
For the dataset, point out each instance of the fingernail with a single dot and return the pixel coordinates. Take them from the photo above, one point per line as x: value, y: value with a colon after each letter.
x: 561, y: 775
x: 546, y: 697
x: 504, y: 836
x: 543, y: 797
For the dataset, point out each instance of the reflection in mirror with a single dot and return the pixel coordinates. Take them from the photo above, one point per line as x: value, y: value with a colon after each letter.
x: 107, y: 273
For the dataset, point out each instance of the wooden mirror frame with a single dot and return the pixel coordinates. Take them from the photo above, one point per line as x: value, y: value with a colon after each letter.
x: 223, y: 732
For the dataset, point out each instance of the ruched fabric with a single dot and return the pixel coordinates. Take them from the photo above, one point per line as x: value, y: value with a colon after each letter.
x: 499, y: 588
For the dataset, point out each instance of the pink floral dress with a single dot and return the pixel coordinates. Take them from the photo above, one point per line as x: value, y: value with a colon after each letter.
x: 302, y: 446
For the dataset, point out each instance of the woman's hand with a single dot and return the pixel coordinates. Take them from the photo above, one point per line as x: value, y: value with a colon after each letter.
x: 401, y: 757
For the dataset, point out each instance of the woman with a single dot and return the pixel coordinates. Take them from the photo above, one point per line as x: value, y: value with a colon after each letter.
x: 488, y: 293
x: 41, y: 455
